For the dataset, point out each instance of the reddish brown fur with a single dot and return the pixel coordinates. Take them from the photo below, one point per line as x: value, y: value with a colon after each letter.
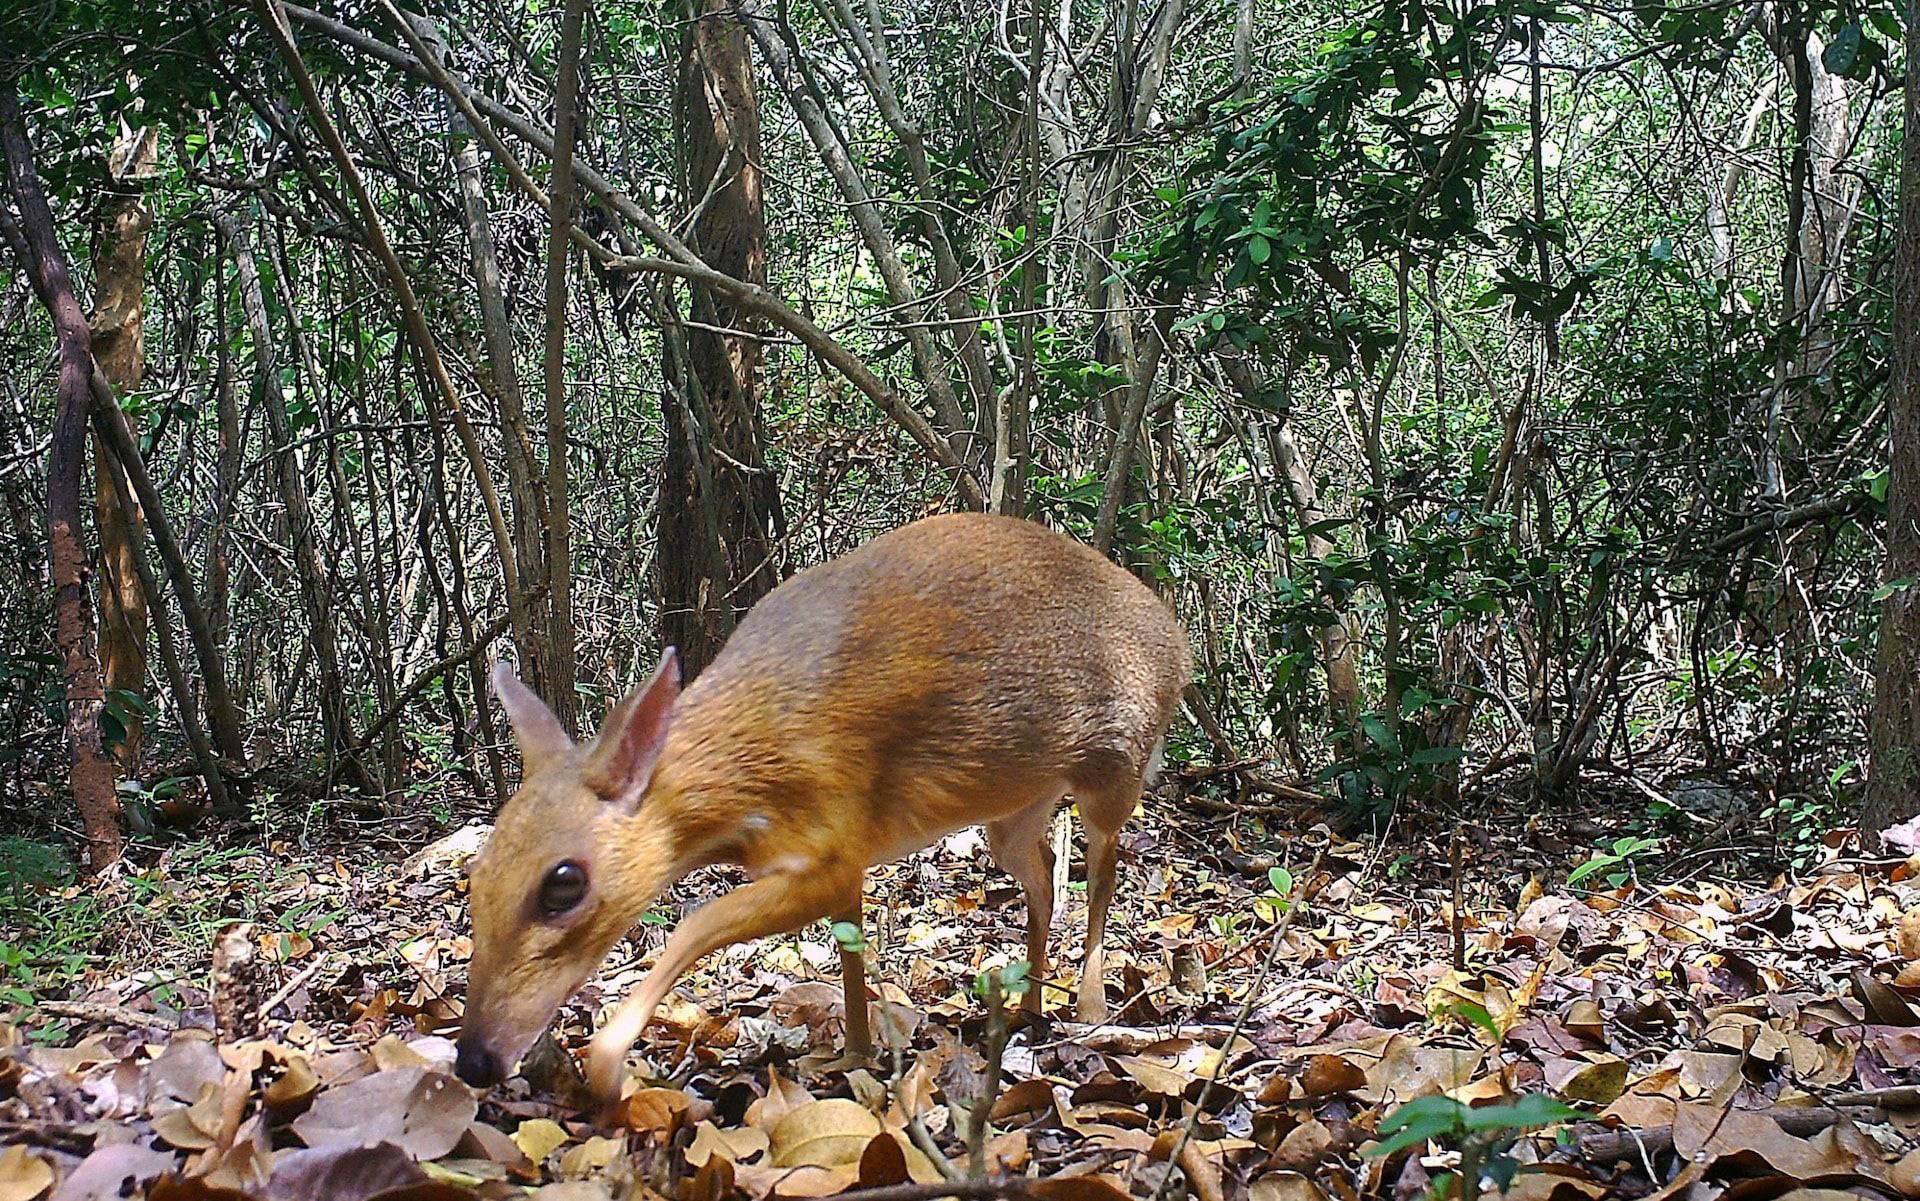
x: 961, y: 670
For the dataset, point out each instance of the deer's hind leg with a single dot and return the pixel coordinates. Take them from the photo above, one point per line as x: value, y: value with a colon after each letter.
x: 1019, y: 845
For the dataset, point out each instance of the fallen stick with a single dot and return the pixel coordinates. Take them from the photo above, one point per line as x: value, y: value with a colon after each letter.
x: 1606, y: 1146
x: 286, y: 990
x: 102, y: 1014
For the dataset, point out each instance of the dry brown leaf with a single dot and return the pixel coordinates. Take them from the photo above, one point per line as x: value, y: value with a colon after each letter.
x: 1284, y: 1186
x: 482, y: 1141
x: 806, y: 1180
x: 424, y: 1113
x: 294, y: 1086
x: 1005, y: 1153
x: 1326, y: 1075
x: 1022, y: 1097
x: 185, y: 1069
x: 1584, y: 1020
x: 1704, y: 1133
x: 1554, y: 1182
x: 1155, y: 1078
x: 1305, y: 1145
x: 192, y: 1127
x: 655, y: 1110
x: 1409, y: 1069
x: 1907, y: 942
x: 1905, y: 1175
x: 1079, y: 1188
x: 1596, y: 1077
x: 883, y: 1162
x: 23, y: 1175
x: 1884, y: 1006
x: 782, y: 1097
x: 343, y: 1172
x: 571, y: 1190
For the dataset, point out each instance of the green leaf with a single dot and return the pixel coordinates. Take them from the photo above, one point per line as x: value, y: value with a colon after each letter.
x: 1595, y: 864
x: 1843, y: 52
x: 1377, y: 730
x: 1478, y: 1016
x: 848, y: 936
x: 1534, y: 1109
x: 1282, y: 881
x: 1418, y: 1122
x: 1259, y: 249
x: 1437, y: 754
x: 1892, y: 586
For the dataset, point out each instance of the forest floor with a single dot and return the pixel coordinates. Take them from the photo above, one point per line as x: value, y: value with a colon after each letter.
x: 1664, y: 1024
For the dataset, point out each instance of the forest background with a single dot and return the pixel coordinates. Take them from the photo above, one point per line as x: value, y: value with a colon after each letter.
x: 1505, y: 394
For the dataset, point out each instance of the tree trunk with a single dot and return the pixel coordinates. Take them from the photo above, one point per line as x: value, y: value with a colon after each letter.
x: 717, y: 549
x: 91, y: 772
x: 560, y: 648
x: 118, y: 328
x: 315, y: 597
x: 1893, y: 786
x: 523, y: 477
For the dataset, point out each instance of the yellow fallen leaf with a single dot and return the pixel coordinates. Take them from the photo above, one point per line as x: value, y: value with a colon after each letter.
x: 591, y: 1156
x: 538, y: 1138
x: 23, y: 1175
x: 735, y: 1146
x: 1153, y: 1077
x: 824, y: 1134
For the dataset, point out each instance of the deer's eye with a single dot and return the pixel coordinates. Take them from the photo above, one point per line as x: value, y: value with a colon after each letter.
x: 564, y: 887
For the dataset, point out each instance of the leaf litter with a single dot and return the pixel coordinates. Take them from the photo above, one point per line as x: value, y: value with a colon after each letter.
x: 1625, y: 1039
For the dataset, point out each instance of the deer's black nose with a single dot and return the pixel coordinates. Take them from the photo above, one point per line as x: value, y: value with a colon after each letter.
x: 476, y: 1065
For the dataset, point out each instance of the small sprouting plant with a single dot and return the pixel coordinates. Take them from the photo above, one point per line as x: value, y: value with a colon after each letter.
x: 1012, y: 980
x: 1482, y: 1135
x: 1623, y: 854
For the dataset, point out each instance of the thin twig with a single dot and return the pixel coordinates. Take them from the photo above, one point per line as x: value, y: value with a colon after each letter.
x: 1294, y: 900
x: 286, y: 990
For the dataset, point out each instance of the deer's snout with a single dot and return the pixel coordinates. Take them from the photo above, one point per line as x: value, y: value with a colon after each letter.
x: 476, y: 1063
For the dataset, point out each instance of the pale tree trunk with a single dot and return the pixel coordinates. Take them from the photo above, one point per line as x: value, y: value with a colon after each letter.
x: 523, y: 477
x: 315, y: 597
x: 789, y: 71
x: 720, y: 518
x: 90, y: 774
x: 1720, y: 196
x: 1893, y: 784
x: 1120, y: 340
x: 118, y: 326
x: 1334, y: 640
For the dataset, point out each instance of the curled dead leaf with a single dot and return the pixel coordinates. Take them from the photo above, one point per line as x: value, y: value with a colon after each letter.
x: 1079, y: 1188
x: 23, y: 1175
x: 735, y: 1146
x: 595, y: 1155
x: 1326, y: 1075
x: 882, y: 1163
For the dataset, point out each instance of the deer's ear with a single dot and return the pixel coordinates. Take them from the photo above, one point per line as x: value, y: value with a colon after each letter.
x: 623, y: 757
x: 535, y: 728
